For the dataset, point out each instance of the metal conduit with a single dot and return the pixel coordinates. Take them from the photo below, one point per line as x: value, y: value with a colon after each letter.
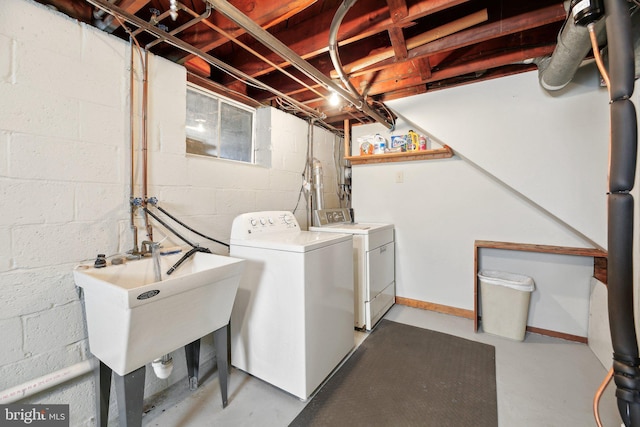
x: 174, y: 41
x: 333, y: 45
x: 297, y: 61
x: 557, y: 70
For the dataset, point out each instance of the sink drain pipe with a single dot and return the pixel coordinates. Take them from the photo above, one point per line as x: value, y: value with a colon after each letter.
x: 622, y: 166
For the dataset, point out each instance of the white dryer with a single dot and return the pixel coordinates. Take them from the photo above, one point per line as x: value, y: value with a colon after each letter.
x: 373, y: 259
x: 292, y: 321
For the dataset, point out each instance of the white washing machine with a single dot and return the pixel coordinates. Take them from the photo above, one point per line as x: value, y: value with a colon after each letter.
x: 373, y: 260
x: 292, y: 321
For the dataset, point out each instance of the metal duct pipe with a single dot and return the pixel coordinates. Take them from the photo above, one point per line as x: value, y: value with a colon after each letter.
x: 557, y: 70
x: 107, y: 23
x: 296, y: 60
x: 318, y: 185
x: 308, y: 173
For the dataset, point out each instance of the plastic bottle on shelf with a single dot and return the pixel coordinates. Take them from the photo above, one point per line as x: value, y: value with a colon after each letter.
x: 413, y: 141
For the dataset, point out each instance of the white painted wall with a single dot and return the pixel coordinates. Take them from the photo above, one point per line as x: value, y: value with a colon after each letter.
x: 537, y: 175
x: 64, y: 184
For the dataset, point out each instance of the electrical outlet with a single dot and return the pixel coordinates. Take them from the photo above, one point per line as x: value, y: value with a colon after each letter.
x: 399, y: 177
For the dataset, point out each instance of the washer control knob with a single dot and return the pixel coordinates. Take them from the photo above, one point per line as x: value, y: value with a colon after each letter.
x: 254, y: 222
x: 263, y: 221
x: 287, y: 219
x: 270, y: 220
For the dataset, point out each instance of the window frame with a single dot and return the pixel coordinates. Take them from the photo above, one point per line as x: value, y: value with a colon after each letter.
x: 220, y: 99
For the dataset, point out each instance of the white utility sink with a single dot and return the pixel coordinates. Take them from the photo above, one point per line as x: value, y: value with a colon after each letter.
x: 134, y: 319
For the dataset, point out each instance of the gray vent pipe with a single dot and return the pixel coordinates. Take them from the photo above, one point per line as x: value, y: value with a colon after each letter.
x: 557, y: 70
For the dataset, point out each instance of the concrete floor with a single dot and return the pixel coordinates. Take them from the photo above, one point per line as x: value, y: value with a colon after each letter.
x: 542, y: 381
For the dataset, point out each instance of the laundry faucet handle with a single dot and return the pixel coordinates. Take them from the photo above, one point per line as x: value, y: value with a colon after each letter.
x: 145, y: 247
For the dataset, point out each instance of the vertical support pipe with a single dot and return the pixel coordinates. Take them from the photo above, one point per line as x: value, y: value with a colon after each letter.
x: 145, y: 142
x: 309, y: 172
x: 626, y: 361
x: 132, y: 208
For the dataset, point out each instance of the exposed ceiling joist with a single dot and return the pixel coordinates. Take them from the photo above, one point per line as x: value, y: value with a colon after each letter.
x: 376, y: 41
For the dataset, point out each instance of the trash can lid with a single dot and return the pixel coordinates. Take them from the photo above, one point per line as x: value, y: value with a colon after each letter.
x: 510, y: 280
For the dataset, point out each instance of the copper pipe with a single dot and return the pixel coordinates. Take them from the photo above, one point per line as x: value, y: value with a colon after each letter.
x: 145, y: 149
x: 596, y: 398
x: 132, y: 154
x: 596, y: 53
x: 132, y: 40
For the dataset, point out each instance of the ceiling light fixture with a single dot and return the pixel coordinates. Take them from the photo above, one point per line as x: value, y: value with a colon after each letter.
x: 334, y: 99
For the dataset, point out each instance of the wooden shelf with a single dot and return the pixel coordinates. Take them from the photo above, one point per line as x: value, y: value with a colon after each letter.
x: 440, y: 153
x: 527, y: 247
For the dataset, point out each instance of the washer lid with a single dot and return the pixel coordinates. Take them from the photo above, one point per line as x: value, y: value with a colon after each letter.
x: 300, y: 241
x: 357, y: 228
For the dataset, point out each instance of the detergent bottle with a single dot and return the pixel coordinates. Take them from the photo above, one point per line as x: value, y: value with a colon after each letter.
x: 413, y: 141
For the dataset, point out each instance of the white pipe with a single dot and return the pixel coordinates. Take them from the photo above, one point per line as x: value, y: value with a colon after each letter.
x: 45, y: 382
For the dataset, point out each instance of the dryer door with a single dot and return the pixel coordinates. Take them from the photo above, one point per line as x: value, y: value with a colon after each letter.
x: 380, y: 269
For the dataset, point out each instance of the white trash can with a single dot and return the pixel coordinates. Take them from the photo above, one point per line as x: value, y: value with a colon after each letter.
x: 505, y: 303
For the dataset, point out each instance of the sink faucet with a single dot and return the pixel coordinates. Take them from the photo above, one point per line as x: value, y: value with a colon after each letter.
x: 145, y: 248
x: 155, y: 253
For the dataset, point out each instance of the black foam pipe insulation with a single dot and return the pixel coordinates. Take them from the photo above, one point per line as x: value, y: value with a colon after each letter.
x: 623, y: 150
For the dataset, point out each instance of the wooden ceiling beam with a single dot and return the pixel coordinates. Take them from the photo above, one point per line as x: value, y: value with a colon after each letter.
x: 417, y: 41
x: 131, y: 6
x: 365, y: 18
x: 397, y: 10
x: 398, y: 43
x: 425, y: 8
x: 81, y: 11
x: 524, y: 22
x: 265, y: 14
x: 403, y: 76
x: 308, y: 41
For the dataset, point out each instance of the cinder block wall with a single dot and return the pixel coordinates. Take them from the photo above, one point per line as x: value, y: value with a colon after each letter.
x: 64, y: 185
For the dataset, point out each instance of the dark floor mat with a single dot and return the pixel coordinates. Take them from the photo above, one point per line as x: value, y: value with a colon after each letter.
x: 402, y: 375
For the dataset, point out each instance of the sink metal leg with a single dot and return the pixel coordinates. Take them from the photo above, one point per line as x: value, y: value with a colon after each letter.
x: 130, y: 397
x: 103, y: 393
x: 192, y: 353
x: 220, y: 340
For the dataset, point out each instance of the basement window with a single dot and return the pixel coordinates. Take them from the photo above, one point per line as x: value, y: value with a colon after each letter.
x: 219, y: 127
